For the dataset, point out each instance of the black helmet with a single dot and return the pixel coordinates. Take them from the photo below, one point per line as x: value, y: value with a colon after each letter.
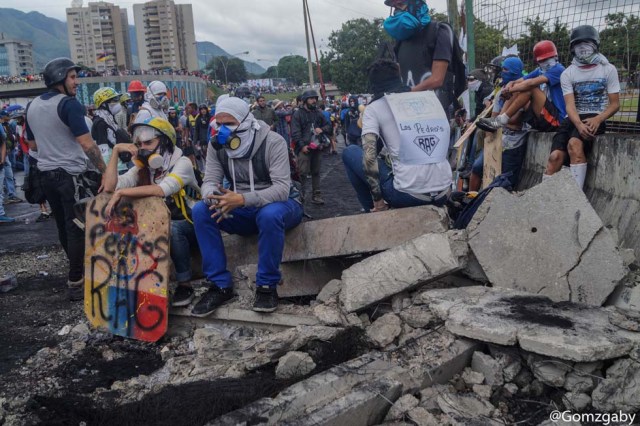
x: 497, y: 62
x: 584, y: 33
x: 57, y: 69
x: 309, y: 94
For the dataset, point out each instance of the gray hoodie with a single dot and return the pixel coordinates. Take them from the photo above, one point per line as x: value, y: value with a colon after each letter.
x: 277, y: 159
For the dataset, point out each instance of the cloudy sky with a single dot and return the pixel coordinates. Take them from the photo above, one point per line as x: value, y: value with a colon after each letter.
x: 268, y: 29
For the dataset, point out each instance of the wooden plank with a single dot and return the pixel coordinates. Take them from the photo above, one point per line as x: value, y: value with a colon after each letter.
x: 127, y: 267
x: 492, y: 157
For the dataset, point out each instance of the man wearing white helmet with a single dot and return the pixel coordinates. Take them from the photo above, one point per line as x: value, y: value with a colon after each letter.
x: 156, y: 102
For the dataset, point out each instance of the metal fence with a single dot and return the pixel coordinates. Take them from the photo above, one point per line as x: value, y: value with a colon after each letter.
x: 500, y: 23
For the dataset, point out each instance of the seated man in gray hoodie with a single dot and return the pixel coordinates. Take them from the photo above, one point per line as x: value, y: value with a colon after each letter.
x: 256, y: 162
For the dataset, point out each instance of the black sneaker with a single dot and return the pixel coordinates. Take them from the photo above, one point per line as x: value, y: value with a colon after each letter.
x: 489, y: 124
x: 266, y: 299
x: 211, y: 300
x: 75, y: 290
x: 182, y: 297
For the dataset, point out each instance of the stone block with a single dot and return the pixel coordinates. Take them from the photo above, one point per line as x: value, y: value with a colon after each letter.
x: 547, y: 241
x: 343, y: 236
x: 294, y: 364
x: 402, y: 268
x: 567, y: 331
x: 384, y: 330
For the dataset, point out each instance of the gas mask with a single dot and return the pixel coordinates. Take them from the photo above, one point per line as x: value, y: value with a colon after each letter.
x: 149, y: 158
x: 159, y: 101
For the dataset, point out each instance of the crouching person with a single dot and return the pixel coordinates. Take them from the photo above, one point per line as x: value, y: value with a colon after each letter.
x: 256, y: 162
x: 160, y: 170
x: 396, y: 179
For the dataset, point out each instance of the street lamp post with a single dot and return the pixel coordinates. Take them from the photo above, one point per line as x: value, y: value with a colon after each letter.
x: 224, y: 64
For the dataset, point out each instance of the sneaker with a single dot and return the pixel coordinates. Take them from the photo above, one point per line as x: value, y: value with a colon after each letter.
x: 211, y: 300
x: 14, y: 200
x: 43, y: 217
x: 6, y: 219
x: 266, y: 299
x: 489, y: 124
x: 75, y: 290
x: 183, y: 296
x: 317, y: 198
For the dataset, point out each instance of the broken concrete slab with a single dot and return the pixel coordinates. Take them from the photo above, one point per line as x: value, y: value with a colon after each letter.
x: 343, y: 236
x: 239, y: 316
x: 565, y: 330
x: 548, y: 241
x: 305, y: 278
x: 402, y: 268
x: 294, y: 364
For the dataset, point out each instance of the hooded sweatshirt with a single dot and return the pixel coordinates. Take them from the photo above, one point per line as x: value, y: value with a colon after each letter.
x: 263, y: 193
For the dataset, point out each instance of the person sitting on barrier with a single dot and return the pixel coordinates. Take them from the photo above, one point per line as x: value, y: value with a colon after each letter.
x: 592, y: 95
x: 539, y: 92
x: 255, y: 160
x: 513, y: 132
x: 159, y: 170
x: 383, y: 181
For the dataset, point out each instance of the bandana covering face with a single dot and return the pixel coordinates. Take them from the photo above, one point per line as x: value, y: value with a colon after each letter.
x: 474, y: 85
x: 403, y: 25
x: 245, y: 131
x: 586, y: 53
x: 547, y: 64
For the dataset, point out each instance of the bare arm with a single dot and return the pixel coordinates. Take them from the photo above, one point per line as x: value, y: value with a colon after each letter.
x: 33, y: 146
x: 523, y: 85
x: 436, y: 79
x: 92, y: 151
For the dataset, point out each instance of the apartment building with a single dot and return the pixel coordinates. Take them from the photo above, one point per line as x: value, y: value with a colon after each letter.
x: 165, y: 35
x: 16, y: 57
x: 99, y: 35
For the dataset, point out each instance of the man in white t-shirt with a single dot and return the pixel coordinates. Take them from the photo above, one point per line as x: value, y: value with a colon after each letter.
x: 387, y: 180
x: 591, y: 92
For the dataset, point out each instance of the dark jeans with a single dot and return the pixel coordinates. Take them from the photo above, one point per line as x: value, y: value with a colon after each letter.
x: 352, y: 159
x: 60, y: 189
x: 310, y: 164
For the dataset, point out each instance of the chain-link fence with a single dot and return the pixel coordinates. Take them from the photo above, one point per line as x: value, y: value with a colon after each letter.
x: 504, y: 23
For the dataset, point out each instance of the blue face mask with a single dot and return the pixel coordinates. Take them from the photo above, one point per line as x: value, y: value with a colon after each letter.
x: 508, y: 77
x: 405, y: 24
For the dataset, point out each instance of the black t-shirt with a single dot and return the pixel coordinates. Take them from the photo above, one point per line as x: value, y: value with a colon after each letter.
x: 415, y: 65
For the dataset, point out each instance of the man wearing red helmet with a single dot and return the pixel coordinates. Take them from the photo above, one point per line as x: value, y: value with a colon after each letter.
x: 539, y: 92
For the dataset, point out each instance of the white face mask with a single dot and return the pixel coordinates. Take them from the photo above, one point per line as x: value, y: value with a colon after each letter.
x: 583, y: 50
x: 547, y: 64
x: 115, y: 108
x: 474, y: 85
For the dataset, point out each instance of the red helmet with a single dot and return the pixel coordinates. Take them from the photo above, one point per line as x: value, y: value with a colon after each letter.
x: 544, y: 49
x: 136, y: 86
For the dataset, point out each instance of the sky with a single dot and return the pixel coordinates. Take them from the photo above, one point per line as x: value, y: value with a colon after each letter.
x: 268, y: 29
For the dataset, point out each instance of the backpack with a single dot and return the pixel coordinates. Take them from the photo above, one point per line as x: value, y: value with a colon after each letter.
x: 462, y: 209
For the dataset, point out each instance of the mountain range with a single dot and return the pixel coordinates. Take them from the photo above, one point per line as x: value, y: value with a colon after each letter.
x: 49, y: 39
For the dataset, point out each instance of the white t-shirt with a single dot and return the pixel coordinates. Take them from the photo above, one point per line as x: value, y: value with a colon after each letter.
x: 413, y: 179
x: 590, y: 86
x: 179, y: 166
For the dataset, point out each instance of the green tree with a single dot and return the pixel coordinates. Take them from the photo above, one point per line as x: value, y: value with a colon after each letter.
x: 294, y: 68
x: 620, y: 41
x: 229, y: 70
x: 489, y: 42
x: 539, y: 29
x: 353, y: 49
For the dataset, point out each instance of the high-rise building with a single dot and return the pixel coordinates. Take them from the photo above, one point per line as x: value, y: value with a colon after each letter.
x: 16, y: 57
x: 99, y: 35
x: 165, y: 35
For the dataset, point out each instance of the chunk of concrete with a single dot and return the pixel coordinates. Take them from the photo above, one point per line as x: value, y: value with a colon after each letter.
x: 549, y: 371
x: 467, y: 406
x: 620, y: 390
x: 330, y: 291
x: 472, y: 377
x: 294, y: 364
x: 576, y: 402
x: 400, y: 408
x: 418, y: 316
x: 567, y: 331
x: 402, y: 268
x: 329, y: 315
x: 547, y: 241
x: 488, y: 367
x: 421, y: 417
x: 384, y: 330
x: 343, y: 236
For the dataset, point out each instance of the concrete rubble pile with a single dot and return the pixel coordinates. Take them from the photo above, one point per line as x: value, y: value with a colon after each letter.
x: 501, y: 323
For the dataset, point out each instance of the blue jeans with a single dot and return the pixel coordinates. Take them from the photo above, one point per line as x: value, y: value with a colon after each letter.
x: 352, y: 159
x: 9, y: 180
x: 511, y: 162
x: 269, y: 222
x: 2, y: 212
x: 183, y: 238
